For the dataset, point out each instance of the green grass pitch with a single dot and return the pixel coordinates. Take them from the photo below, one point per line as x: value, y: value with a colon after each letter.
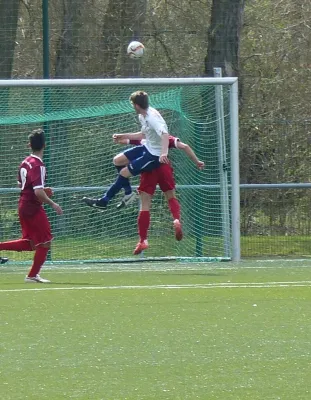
x: 166, y: 330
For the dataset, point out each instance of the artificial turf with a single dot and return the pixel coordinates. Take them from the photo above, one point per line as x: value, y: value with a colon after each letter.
x: 157, y: 331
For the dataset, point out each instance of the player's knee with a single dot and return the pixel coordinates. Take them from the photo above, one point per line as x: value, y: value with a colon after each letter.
x: 119, y: 160
x: 170, y: 194
x: 115, y: 160
x: 125, y: 172
x: 45, y: 245
x: 145, y: 201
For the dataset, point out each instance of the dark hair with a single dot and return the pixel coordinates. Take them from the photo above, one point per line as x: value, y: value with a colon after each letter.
x: 37, y: 139
x: 140, y: 98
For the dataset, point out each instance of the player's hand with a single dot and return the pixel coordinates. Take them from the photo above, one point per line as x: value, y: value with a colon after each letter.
x: 115, y: 138
x: 200, y: 165
x: 164, y: 159
x: 57, y: 208
x: 48, y: 191
x: 120, y: 140
x: 118, y: 137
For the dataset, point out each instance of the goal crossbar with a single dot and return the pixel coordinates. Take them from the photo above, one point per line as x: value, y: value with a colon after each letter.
x: 117, y: 82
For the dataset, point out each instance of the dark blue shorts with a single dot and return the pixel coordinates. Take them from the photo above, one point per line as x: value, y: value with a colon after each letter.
x: 141, y: 160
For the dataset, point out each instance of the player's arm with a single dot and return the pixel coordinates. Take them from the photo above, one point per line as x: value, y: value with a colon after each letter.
x: 120, y: 141
x: 119, y: 137
x: 43, y: 198
x: 159, y: 125
x: 164, y: 148
x: 128, y: 141
x: 190, y: 153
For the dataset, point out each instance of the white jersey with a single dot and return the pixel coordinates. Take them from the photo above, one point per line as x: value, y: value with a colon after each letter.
x: 153, y: 126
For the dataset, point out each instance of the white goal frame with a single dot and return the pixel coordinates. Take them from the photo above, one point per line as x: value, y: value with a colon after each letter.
x: 140, y: 82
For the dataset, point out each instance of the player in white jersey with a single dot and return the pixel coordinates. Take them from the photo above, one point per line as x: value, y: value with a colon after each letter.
x: 153, y: 126
x: 140, y: 158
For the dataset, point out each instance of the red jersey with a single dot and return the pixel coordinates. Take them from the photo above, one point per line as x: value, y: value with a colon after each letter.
x: 172, y: 142
x: 31, y: 176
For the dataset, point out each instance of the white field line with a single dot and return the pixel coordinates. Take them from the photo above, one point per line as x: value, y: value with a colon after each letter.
x: 170, y: 287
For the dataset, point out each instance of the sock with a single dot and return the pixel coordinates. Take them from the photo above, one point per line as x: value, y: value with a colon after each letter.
x: 38, y: 260
x: 127, y: 186
x: 174, y: 207
x: 115, y: 188
x: 16, y: 245
x: 143, y: 222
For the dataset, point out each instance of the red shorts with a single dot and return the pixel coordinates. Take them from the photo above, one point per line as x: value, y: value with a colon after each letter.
x: 162, y: 176
x: 36, y: 227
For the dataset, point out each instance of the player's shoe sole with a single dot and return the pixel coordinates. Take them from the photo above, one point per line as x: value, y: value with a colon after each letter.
x: 178, y: 230
x: 3, y: 260
x: 140, y: 247
x: 94, y: 203
x: 36, y: 279
x: 127, y: 200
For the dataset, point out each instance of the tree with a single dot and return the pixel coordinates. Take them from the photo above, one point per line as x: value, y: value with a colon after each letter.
x: 68, y: 46
x: 224, y: 37
x: 8, y: 23
x: 122, y: 23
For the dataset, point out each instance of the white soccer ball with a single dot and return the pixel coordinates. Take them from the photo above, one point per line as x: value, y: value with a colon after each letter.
x: 135, y: 49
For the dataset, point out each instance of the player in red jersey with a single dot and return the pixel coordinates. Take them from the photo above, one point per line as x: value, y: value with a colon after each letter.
x: 36, y: 230
x: 164, y: 177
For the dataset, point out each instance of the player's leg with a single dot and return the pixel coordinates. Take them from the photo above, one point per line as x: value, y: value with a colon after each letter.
x: 120, y: 182
x: 174, y: 207
x: 173, y: 203
x: 144, y: 163
x: 102, y: 202
x: 39, y: 259
x: 16, y: 245
x: 146, y: 189
x: 167, y: 185
x: 40, y: 231
x: 130, y: 196
x: 143, y: 222
x: 22, y: 244
x: 120, y: 161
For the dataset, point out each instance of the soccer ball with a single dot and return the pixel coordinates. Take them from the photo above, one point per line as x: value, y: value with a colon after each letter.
x: 135, y: 49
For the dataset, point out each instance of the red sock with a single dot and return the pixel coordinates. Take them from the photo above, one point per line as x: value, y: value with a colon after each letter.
x: 16, y: 245
x: 143, y: 222
x: 38, y: 260
x: 174, y: 207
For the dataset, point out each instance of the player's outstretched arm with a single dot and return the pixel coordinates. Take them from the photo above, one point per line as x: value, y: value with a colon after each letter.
x: 120, y: 137
x: 191, y: 154
x: 119, y: 140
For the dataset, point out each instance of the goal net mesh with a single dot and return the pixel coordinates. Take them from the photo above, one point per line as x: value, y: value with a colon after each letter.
x: 79, y: 122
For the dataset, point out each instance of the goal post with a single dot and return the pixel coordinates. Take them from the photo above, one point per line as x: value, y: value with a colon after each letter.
x: 79, y: 117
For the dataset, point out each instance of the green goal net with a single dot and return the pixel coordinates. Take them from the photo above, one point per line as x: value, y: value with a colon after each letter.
x: 79, y: 118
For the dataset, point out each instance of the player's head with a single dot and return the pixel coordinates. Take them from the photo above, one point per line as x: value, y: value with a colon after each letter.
x: 140, y: 99
x: 37, y: 139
